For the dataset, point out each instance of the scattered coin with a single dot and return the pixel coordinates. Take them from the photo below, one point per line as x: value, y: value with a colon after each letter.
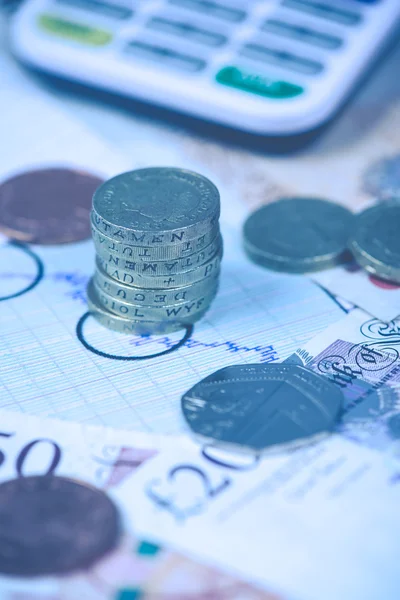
x: 158, y: 199
x: 47, y: 206
x: 52, y: 525
x: 382, y: 179
x: 275, y: 405
x: 298, y: 235
x: 375, y: 242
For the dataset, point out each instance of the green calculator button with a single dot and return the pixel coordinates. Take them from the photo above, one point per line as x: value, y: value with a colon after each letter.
x: 74, y: 31
x: 256, y: 83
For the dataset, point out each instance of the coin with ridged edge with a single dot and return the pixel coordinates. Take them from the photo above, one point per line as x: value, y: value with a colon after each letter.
x: 375, y: 242
x: 174, y: 312
x: 157, y: 199
x: 209, y: 269
x: 161, y: 268
x: 129, y: 326
x: 155, y: 253
x: 149, y: 297
x: 52, y: 525
x: 279, y: 405
x: 298, y: 235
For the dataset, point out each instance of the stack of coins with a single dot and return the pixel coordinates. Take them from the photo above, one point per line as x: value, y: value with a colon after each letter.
x: 159, y: 249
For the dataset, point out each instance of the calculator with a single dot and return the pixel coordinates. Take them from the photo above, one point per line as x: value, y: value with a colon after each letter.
x: 266, y: 67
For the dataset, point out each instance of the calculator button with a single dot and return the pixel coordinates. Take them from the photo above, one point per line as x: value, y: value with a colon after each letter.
x: 257, y: 83
x: 302, y: 34
x: 74, y: 31
x: 165, y: 56
x: 115, y: 11
x: 282, y: 59
x: 324, y: 11
x: 212, y: 9
x: 187, y: 31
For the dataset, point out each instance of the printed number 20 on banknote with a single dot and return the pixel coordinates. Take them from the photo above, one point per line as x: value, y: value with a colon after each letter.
x: 318, y: 522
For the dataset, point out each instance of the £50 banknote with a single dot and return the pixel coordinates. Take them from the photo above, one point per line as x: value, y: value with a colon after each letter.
x: 97, y: 458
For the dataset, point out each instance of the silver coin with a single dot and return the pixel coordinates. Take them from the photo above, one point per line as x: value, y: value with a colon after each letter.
x: 155, y: 253
x: 298, y: 235
x: 161, y: 268
x: 382, y: 179
x: 148, y: 297
x: 157, y: 199
x: 127, y: 326
x: 285, y: 404
x: 375, y: 242
x: 160, y: 238
x: 183, y: 313
x: 237, y: 372
x: 166, y: 282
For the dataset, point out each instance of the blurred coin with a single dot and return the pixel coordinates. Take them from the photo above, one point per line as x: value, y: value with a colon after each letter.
x: 161, y: 268
x: 52, y: 525
x: 148, y: 297
x: 186, y: 312
x: 382, y: 179
x: 178, y: 204
x: 47, y: 206
x: 165, y: 282
x: 283, y: 404
x: 375, y: 241
x: 129, y: 326
x: 298, y: 235
x: 394, y: 426
x: 155, y: 253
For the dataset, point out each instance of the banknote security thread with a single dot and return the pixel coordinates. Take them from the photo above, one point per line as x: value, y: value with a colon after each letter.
x: 298, y: 235
x: 158, y: 250
x: 53, y: 525
x: 255, y: 409
x: 375, y: 242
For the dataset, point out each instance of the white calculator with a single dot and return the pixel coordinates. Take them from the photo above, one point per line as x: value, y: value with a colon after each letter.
x: 267, y: 67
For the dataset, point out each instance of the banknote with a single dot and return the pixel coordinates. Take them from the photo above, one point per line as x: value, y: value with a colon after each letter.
x: 361, y: 355
x: 137, y: 567
x: 379, y: 298
x: 319, y: 521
